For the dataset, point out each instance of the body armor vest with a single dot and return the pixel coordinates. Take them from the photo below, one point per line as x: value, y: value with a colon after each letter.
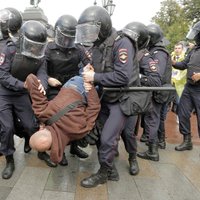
x: 102, y: 60
x: 22, y: 65
x: 62, y: 65
x: 166, y: 77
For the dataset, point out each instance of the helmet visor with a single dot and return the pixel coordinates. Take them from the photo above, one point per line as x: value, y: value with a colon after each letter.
x: 191, y: 34
x: 64, y: 40
x: 87, y: 34
x: 33, y: 49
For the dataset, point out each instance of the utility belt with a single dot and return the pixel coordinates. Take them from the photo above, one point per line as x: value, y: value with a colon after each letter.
x: 190, y: 71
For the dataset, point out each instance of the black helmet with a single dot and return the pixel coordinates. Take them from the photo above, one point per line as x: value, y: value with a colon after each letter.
x: 15, y: 22
x: 94, y: 24
x: 156, y: 34
x: 33, y: 39
x: 137, y: 32
x: 5, y: 15
x: 65, y: 28
x: 10, y: 21
x: 194, y: 33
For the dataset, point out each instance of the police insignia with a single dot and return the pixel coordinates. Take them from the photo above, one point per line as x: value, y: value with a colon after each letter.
x: 2, y: 58
x: 123, y: 55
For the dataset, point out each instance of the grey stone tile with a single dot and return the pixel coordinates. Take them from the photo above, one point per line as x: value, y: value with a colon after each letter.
x: 178, y: 185
x: 33, y: 176
x: 26, y: 192
x: 54, y: 195
x: 4, y: 192
x: 152, y: 189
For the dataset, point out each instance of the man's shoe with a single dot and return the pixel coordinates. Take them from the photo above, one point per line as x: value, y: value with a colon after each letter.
x: 64, y: 161
x: 75, y: 150
x: 10, y: 167
x: 44, y: 156
x: 27, y: 148
x: 100, y: 177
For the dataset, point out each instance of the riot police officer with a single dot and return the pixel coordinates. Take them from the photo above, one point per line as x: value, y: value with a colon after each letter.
x: 160, y: 55
x: 18, y: 59
x: 190, y: 97
x: 11, y: 21
x: 63, y: 60
x: 150, y: 76
x: 112, y: 57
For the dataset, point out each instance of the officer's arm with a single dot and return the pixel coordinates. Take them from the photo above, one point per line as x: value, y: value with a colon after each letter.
x: 123, y: 54
x: 183, y: 64
x: 6, y: 79
x: 150, y: 75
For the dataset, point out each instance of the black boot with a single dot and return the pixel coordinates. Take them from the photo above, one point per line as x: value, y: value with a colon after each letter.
x: 151, y: 153
x: 44, y: 156
x: 186, y: 144
x: 75, y: 150
x: 27, y: 148
x: 161, y: 135
x: 64, y: 161
x: 100, y: 177
x: 10, y: 167
x: 161, y: 140
x: 134, y: 168
x: 113, y: 174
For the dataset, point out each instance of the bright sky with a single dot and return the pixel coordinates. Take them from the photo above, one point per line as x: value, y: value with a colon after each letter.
x: 125, y: 11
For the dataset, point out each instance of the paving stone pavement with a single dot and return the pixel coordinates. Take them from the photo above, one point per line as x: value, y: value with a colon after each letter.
x: 174, y: 177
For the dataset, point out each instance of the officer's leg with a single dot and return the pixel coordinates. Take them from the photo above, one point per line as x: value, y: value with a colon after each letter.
x: 144, y: 137
x: 27, y: 123
x: 152, y: 121
x: 196, y: 100
x: 7, y: 137
x: 108, y: 144
x: 184, y: 113
x: 161, y: 130
x: 130, y: 143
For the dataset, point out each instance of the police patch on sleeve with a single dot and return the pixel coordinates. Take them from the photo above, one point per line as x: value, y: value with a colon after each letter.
x: 153, y: 67
x: 123, y: 55
x: 2, y: 58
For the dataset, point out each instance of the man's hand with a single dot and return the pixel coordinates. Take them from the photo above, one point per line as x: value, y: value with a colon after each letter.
x: 196, y: 77
x: 41, y: 88
x: 88, y: 73
x: 54, y: 82
x: 87, y: 86
x: 173, y: 61
x: 88, y: 67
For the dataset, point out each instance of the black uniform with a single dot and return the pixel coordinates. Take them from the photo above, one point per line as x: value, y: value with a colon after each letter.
x: 152, y: 118
x: 14, y: 97
x: 190, y: 98
x: 119, y: 70
x: 62, y: 64
x: 149, y: 76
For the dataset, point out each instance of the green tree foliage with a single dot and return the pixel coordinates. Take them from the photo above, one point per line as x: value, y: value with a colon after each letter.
x: 191, y: 9
x: 173, y: 21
